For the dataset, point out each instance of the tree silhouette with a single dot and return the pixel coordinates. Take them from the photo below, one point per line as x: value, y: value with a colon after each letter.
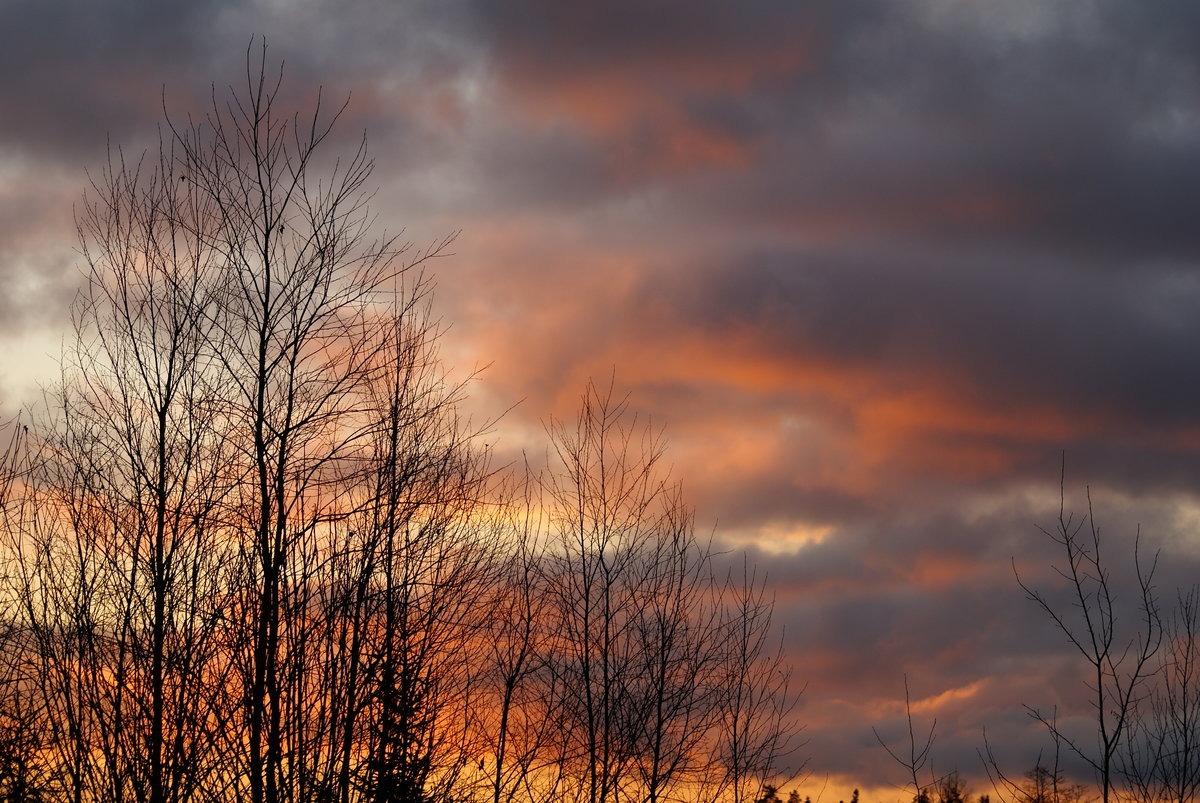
x: 1119, y: 658
x: 254, y: 552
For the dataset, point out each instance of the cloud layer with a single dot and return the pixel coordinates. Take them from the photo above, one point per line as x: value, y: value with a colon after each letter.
x: 874, y: 266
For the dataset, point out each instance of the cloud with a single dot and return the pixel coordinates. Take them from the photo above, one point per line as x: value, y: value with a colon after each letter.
x: 874, y: 267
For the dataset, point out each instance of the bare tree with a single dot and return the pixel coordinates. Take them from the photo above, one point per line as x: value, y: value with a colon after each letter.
x: 251, y: 381
x: 665, y: 677
x: 397, y: 589
x: 1162, y: 755
x: 1048, y: 785
x: 1119, y: 656
x: 119, y: 564
x: 1046, y: 782
x: 524, y: 724
x: 26, y: 773
x: 302, y: 338
x: 607, y: 507
x: 916, y: 759
x: 435, y: 585
x: 755, y: 699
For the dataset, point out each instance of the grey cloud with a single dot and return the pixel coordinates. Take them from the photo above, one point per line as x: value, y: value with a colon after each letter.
x: 1019, y: 331
x: 1088, y: 138
x: 73, y: 71
x: 856, y: 627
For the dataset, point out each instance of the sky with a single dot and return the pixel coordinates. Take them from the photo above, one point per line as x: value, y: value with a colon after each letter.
x: 879, y: 269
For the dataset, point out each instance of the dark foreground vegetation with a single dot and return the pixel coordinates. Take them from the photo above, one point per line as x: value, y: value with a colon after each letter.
x: 252, y: 551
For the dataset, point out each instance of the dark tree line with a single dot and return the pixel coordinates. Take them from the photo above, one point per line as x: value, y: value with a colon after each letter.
x: 253, y: 551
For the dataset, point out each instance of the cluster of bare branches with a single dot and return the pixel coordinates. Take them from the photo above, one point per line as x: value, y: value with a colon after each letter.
x: 1141, y: 672
x: 252, y: 550
x: 1120, y: 659
x: 652, y: 674
x: 917, y: 758
x: 1142, y: 676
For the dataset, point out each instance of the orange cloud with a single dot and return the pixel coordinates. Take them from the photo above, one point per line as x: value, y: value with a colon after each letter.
x: 639, y: 109
x: 940, y: 426
x: 607, y: 95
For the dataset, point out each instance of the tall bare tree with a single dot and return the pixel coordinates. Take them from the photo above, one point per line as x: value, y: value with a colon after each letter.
x: 120, y: 563
x: 437, y: 570
x: 248, y: 371
x: 303, y: 337
x: 523, y: 698
x: 26, y: 772
x: 607, y: 508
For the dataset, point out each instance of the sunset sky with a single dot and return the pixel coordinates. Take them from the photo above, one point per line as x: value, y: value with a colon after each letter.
x: 874, y: 267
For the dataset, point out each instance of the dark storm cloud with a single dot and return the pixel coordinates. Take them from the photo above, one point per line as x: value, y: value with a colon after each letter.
x: 1018, y: 330
x: 76, y: 71
x: 73, y: 71
x: 1073, y: 132
x: 75, y: 76
x: 1003, y: 204
x: 1073, y: 135
x: 71, y: 75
